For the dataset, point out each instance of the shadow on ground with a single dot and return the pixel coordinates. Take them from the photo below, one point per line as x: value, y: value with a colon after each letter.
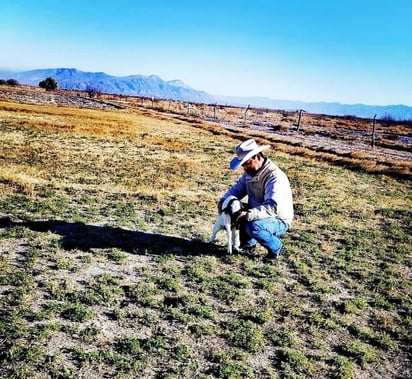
x: 77, y: 235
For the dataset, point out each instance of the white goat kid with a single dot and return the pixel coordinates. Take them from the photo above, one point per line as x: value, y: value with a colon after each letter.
x: 226, y: 220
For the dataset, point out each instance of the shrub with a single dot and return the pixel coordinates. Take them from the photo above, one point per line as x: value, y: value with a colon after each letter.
x: 49, y: 84
x: 12, y: 82
x: 387, y: 120
x: 93, y: 92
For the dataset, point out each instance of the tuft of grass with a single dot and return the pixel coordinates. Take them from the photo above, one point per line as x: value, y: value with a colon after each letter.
x: 77, y: 312
x: 343, y: 368
x: 245, y: 334
x: 294, y: 362
x: 360, y: 352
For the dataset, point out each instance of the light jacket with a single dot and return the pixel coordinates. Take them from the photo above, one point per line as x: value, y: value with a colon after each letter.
x: 268, y: 191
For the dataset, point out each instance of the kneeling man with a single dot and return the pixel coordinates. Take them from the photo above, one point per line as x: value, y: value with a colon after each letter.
x: 269, y: 212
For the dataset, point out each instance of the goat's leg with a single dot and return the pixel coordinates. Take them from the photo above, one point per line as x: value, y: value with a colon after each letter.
x: 229, y: 237
x: 236, y: 239
x: 215, y: 229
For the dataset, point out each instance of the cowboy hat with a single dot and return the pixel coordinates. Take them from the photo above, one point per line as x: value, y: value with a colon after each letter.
x: 245, y: 151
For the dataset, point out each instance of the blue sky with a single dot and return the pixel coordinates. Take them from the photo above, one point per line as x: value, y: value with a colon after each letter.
x: 349, y: 51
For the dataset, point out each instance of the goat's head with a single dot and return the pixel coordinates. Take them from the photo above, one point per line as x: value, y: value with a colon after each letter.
x: 232, y: 206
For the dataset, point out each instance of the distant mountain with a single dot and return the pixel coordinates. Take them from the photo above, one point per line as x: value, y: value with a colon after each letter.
x: 153, y: 86
x: 134, y: 85
x: 397, y: 112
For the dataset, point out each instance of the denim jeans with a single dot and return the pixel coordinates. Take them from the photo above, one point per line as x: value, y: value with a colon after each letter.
x: 265, y: 231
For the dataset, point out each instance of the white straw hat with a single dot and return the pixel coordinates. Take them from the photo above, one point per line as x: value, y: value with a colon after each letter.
x: 245, y: 151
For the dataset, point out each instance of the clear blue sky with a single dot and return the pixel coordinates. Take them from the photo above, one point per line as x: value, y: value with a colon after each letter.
x: 350, y: 51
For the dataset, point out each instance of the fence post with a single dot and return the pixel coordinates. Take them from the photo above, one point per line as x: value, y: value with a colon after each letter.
x: 300, y: 116
x: 373, y: 130
x: 244, y: 120
x: 214, y: 111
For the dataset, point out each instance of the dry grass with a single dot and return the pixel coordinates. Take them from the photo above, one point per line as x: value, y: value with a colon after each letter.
x: 104, y: 269
x: 338, y: 136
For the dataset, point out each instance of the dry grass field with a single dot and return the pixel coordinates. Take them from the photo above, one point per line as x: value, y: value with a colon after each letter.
x: 105, y: 269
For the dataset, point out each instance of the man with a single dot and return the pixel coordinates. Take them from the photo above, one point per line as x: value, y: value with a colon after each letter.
x: 269, y: 211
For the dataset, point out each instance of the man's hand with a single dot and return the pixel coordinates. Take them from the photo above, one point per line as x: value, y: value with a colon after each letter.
x: 241, y: 215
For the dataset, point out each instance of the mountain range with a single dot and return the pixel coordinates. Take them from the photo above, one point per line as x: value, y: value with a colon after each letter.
x: 154, y: 86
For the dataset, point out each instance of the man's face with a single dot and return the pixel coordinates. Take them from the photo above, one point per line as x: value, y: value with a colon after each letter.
x: 252, y: 165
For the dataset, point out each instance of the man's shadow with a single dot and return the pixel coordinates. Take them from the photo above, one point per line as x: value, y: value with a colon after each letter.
x: 77, y: 235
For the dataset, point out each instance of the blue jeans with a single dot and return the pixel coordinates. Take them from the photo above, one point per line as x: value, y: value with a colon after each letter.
x: 266, y: 232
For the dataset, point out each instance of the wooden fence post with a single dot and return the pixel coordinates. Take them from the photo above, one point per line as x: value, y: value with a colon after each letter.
x: 244, y: 120
x: 300, y: 116
x: 373, y: 130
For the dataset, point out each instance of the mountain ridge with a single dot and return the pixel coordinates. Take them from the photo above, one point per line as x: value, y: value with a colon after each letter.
x: 154, y: 86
